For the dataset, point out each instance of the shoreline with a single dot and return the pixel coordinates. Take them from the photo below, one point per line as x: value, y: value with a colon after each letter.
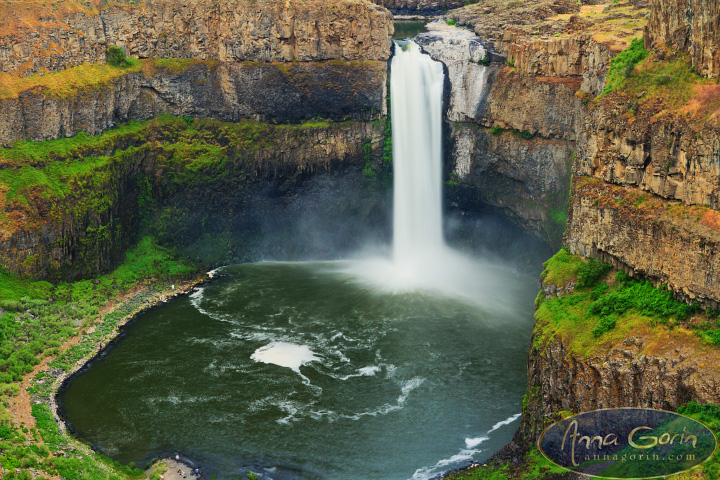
x: 155, y: 298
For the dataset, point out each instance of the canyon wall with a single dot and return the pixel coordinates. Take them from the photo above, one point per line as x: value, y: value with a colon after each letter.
x: 646, y: 180
x: 214, y: 189
x: 640, y: 370
x: 414, y: 6
x: 45, y: 38
x: 266, y: 92
x: 689, y: 26
x: 302, y: 87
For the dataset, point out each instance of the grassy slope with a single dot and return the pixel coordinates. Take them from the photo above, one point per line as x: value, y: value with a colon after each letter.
x: 663, y: 84
x: 39, y: 317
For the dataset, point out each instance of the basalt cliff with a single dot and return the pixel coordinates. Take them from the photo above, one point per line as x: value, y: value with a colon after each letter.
x: 297, y: 94
x: 236, y: 121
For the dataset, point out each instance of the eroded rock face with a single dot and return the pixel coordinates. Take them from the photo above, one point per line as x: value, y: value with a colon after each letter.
x: 409, y: 6
x: 648, y: 369
x: 626, y: 376
x: 692, y: 26
x: 293, y: 182
x: 574, y: 56
x: 665, y: 242
x: 277, y: 93
x: 670, y: 155
x: 460, y: 51
x: 224, y: 30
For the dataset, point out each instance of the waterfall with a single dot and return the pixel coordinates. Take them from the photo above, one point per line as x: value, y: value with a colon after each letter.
x: 421, y: 261
x: 416, y: 90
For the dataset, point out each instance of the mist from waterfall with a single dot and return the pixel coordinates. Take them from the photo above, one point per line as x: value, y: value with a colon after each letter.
x: 420, y: 259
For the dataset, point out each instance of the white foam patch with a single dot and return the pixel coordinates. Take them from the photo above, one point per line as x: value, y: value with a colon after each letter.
x: 427, y: 473
x: 284, y: 354
x: 362, y: 372
x: 507, y: 421
x: 474, y: 442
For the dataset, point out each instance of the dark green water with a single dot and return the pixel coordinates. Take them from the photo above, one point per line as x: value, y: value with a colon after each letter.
x: 405, y: 29
x: 401, y: 385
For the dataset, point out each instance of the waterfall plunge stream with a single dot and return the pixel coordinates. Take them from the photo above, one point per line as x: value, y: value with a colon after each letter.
x: 416, y: 92
x: 421, y: 260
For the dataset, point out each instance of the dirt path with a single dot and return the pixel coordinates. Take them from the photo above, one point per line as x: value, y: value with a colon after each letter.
x: 20, y: 405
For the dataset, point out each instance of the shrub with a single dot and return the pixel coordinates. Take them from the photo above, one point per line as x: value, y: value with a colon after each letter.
x: 451, y: 22
x: 116, y: 57
x: 623, y: 65
x: 591, y: 271
x: 496, y: 130
x: 604, y: 325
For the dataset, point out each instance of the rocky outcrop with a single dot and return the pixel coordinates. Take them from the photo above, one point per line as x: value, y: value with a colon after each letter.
x: 467, y: 59
x: 545, y: 107
x: 224, y: 30
x: 691, y: 26
x: 277, y: 93
x: 571, y: 56
x: 674, y: 156
x: 648, y: 237
x: 628, y: 375
x: 526, y: 179
x: 411, y: 6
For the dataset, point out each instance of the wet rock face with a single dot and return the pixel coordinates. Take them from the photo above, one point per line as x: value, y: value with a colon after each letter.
x: 225, y: 30
x: 525, y: 174
x: 692, y: 26
x: 227, y: 91
x: 464, y: 55
x: 523, y: 178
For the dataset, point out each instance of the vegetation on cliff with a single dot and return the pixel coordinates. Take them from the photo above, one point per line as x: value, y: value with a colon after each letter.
x: 104, y: 188
x: 597, y: 308
x: 39, y: 321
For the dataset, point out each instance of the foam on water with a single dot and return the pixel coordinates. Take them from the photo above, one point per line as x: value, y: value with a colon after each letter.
x: 284, y: 354
x: 465, y: 455
x: 507, y: 421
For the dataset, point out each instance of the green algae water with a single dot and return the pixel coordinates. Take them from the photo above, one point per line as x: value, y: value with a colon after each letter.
x: 304, y: 371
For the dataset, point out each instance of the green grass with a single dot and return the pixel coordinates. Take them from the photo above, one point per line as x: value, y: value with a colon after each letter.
x: 38, y: 318
x: 622, y: 66
x: 562, y: 268
x: 534, y: 467
x: 602, y: 310
x: 53, y: 165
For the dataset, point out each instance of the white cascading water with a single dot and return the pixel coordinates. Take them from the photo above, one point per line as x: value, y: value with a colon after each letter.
x: 416, y: 92
x: 421, y: 261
